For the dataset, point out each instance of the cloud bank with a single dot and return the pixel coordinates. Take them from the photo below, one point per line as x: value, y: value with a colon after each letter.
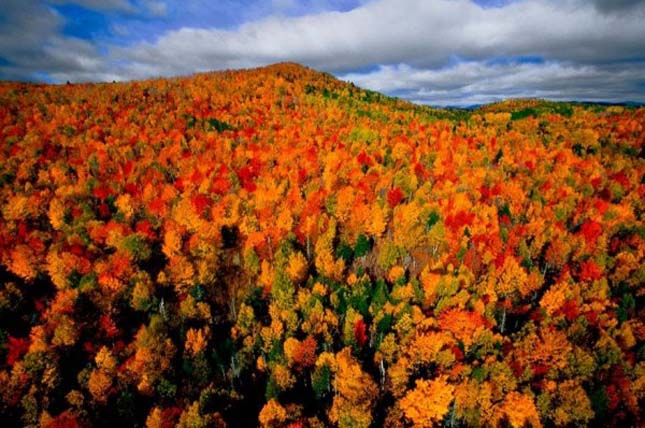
x: 472, y: 83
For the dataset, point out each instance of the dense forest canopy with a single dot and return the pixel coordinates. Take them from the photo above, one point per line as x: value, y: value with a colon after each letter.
x: 277, y: 248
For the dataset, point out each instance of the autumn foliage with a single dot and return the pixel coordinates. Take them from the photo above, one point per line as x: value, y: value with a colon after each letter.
x: 275, y: 247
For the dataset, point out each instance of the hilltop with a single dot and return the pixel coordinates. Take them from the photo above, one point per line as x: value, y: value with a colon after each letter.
x: 276, y: 247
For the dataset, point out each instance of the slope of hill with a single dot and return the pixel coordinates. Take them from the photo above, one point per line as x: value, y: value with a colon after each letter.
x: 275, y: 247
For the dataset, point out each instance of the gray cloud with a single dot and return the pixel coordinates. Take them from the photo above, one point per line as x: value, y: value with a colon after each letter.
x: 24, y: 27
x: 616, y: 5
x: 102, y: 5
x: 153, y: 7
x: 480, y: 82
x: 31, y: 46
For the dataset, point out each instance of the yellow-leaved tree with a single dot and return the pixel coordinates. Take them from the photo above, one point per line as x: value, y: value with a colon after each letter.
x: 355, y: 393
x: 428, y: 403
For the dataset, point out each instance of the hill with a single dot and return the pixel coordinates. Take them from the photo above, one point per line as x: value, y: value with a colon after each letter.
x: 276, y: 247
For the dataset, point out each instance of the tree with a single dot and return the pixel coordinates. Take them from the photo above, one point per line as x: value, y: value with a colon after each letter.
x: 428, y: 402
x: 272, y: 414
x: 520, y: 410
x: 355, y: 393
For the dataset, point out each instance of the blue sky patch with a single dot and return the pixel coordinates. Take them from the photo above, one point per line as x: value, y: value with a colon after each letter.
x: 533, y: 59
x: 83, y: 23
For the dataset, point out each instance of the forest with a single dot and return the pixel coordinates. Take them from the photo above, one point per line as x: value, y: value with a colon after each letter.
x: 274, y: 247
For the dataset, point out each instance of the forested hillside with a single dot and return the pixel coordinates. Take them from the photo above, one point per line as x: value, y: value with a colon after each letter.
x: 274, y: 247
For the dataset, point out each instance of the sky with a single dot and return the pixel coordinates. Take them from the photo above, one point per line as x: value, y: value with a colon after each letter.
x: 437, y: 52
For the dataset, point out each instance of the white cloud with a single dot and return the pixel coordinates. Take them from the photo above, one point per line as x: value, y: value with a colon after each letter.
x: 119, y: 29
x: 417, y: 32
x: 591, y: 50
x: 156, y: 8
